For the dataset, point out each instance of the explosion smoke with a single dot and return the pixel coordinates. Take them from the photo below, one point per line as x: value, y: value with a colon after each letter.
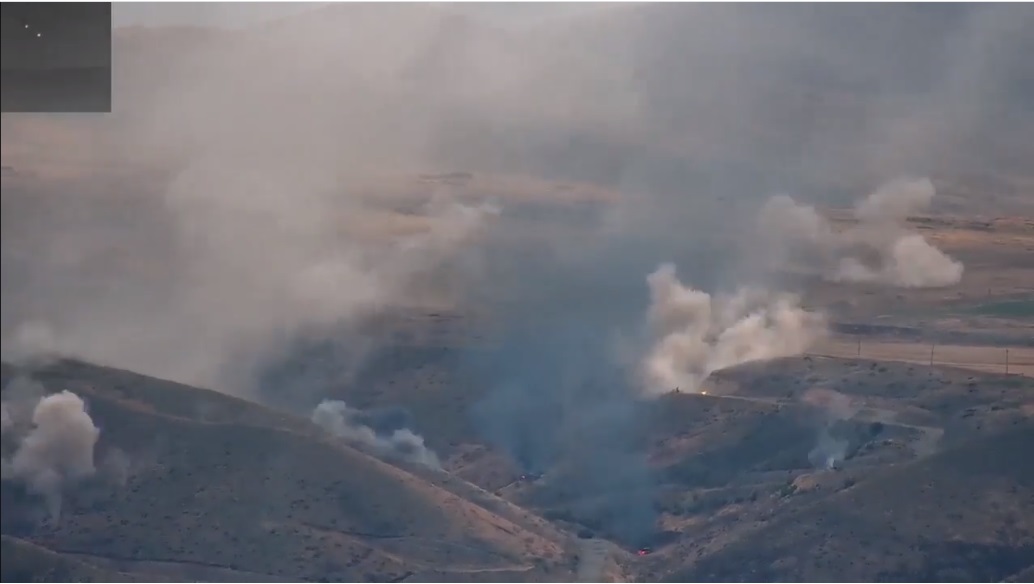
x: 830, y: 449
x: 58, y: 450
x: 696, y: 335
x: 877, y: 249
x: 337, y: 418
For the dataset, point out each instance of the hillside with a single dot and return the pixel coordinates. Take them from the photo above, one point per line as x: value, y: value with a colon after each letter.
x: 24, y: 561
x: 723, y: 466
x: 399, y: 294
x: 960, y: 515
x: 215, y: 482
x: 729, y: 478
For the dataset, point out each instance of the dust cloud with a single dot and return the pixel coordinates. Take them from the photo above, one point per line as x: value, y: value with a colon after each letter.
x: 697, y: 334
x: 877, y: 247
x: 58, y: 449
x: 337, y: 418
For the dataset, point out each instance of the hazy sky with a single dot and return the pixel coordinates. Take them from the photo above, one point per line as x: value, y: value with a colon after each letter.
x: 233, y: 14
x: 202, y: 13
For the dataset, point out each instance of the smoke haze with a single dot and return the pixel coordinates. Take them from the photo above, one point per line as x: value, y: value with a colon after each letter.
x: 246, y: 158
x: 244, y: 194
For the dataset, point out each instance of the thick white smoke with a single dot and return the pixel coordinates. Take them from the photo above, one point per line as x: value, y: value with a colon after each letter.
x: 878, y: 248
x: 57, y: 451
x: 696, y: 334
x: 337, y: 418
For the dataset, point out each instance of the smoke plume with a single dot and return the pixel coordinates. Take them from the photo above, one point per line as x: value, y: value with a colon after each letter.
x: 696, y: 334
x: 57, y: 451
x: 344, y: 422
x: 831, y: 448
x: 877, y: 248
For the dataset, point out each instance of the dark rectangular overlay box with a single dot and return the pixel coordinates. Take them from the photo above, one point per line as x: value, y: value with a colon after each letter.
x: 56, y: 57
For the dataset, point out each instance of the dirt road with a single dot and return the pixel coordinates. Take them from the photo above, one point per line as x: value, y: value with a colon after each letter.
x: 591, y: 557
x: 975, y: 357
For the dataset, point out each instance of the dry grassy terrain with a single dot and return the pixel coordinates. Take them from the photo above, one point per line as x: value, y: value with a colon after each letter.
x: 24, y: 561
x: 961, y: 514
x: 727, y: 463
x: 730, y: 471
x: 931, y: 479
x: 994, y: 250
x: 977, y: 358
x: 218, y: 483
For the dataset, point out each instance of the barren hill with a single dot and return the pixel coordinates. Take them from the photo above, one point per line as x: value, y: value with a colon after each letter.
x: 24, y: 561
x: 960, y: 515
x: 215, y: 482
x: 442, y: 228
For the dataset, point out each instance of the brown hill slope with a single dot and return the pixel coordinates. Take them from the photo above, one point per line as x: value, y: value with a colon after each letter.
x: 219, y: 483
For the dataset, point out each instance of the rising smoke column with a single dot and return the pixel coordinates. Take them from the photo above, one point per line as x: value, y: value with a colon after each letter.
x: 57, y: 451
x: 696, y: 334
x: 878, y: 248
x: 337, y: 418
x: 836, y: 407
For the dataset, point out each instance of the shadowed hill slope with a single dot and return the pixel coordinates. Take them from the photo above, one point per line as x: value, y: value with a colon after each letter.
x: 960, y: 515
x: 23, y: 561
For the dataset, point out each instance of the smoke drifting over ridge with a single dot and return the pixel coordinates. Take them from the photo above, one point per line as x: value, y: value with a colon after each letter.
x: 57, y: 450
x: 878, y: 248
x: 249, y: 213
x: 255, y: 261
x: 697, y: 334
x: 346, y: 423
x: 244, y: 164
